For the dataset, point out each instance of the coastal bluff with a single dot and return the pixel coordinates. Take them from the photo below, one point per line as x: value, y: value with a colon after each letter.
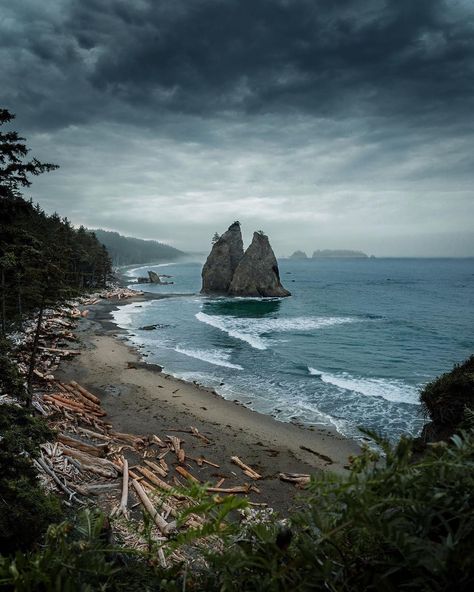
x: 230, y: 271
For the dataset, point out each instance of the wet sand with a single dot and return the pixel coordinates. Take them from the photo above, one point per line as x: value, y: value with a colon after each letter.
x: 140, y: 399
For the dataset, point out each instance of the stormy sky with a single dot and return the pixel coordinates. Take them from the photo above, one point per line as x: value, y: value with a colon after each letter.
x: 326, y: 123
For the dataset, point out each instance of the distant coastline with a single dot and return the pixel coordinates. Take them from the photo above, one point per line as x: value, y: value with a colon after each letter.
x: 330, y: 254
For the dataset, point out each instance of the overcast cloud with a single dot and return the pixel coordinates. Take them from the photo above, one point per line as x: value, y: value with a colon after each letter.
x: 344, y: 124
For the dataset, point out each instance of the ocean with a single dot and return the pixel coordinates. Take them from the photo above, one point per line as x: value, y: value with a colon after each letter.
x: 350, y: 348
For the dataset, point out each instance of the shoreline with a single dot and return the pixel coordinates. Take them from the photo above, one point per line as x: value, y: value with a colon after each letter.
x: 141, y: 399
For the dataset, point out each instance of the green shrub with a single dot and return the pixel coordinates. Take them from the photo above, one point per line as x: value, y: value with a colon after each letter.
x: 397, y: 526
x: 11, y: 382
x: 25, y: 509
x: 446, y: 399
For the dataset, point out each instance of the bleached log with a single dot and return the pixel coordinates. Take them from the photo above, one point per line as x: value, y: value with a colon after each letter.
x: 64, y: 352
x: 184, y: 473
x: 238, y: 489
x: 121, y: 509
x: 129, y: 438
x: 246, y: 469
x: 164, y: 527
x: 87, y: 448
x: 300, y: 479
x: 101, y: 466
x: 156, y: 468
x: 41, y: 464
x: 154, y: 479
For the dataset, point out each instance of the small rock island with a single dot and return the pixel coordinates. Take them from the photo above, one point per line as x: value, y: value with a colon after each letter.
x: 229, y: 271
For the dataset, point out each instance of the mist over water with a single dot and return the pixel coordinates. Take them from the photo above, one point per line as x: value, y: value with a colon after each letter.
x: 350, y: 348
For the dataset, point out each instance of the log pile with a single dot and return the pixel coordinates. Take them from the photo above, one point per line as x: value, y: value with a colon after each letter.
x: 57, y: 338
x: 123, y: 471
x: 120, y: 471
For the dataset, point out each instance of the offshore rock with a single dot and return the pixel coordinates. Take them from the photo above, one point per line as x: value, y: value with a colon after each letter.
x: 222, y: 261
x: 257, y: 273
x: 154, y: 277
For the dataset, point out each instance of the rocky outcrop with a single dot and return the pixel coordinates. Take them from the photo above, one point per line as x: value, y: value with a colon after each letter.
x: 299, y: 255
x: 154, y: 277
x: 222, y: 261
x: 257, y: 273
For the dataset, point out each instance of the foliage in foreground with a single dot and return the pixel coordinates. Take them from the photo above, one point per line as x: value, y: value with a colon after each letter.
x: 398, y: 525
x: 25, y: 509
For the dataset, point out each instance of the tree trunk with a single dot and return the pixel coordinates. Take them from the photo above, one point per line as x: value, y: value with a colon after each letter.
x: 4, y: 317
x: 34, y: 351
x: 20, y: 311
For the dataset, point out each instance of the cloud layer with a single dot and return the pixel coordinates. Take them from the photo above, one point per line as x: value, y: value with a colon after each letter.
x: 328, y: 124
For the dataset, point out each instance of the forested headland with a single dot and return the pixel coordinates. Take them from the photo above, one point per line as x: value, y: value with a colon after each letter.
x: 126, y: 250
x: 42, y: 257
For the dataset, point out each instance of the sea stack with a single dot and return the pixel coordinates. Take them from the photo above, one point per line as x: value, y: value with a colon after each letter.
x: 257, y: 274
x: 222, y: 261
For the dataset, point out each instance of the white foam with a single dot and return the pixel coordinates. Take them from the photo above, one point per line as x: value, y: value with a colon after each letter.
x: 251, y: 329
x: 217, y: 357
x: 223, y: 324
x: 123, y: 316
x: 393, y: 390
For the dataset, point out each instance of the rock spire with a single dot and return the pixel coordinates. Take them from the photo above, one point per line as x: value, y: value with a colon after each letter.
x: 222, y: 261
x: 257, y: 273
x: 229, y: 271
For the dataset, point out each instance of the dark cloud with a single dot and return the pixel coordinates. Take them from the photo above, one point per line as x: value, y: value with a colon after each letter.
x: 87, y: 59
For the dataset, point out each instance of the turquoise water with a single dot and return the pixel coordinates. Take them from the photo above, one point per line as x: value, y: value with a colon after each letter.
x: 350, y: 348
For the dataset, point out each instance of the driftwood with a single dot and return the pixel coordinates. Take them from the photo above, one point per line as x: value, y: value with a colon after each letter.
x: 201, y: 460
x: 154, y: 479
x: 85, y: 393
x: 239, y: 489
x: 135, y: 441
x: 176, y: 443
x: 41, y: 463
x: 101, y: 466
x: 246, y: 469
x: 197, y: 433
x: 63, y: 352
x: 158, y: 469
x: 164, y: 527
x: 184, y: 473
x: 77, y: 394
x: 61, y: 401
x: 92, y: 434
x: 122, y: 507
x: 88, y: 448
x: 300, y: 479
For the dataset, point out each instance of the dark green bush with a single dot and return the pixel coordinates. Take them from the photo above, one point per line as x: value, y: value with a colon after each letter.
x: 11, y: 382
x: 25, y: 509
x: 400, y: 526
x: 446, y: 399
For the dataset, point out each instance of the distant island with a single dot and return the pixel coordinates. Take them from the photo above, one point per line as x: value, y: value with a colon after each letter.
x: 126, y: 250
x: 329, y: 254
x: 299, y: 255
x: 346, y: 253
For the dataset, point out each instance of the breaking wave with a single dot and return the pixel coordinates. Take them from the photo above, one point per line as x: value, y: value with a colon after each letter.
x: 396, y: 391
x: 252, y: 330
x: 216, y: 357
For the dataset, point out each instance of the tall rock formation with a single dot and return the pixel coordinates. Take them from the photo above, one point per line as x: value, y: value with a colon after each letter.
x: 257, y: 273
x: 222, y: 261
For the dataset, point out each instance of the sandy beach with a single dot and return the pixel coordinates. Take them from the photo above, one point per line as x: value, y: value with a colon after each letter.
x: 140, y: 399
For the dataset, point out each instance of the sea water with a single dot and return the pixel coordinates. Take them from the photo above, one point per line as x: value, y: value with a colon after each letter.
x: 351, y: 347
